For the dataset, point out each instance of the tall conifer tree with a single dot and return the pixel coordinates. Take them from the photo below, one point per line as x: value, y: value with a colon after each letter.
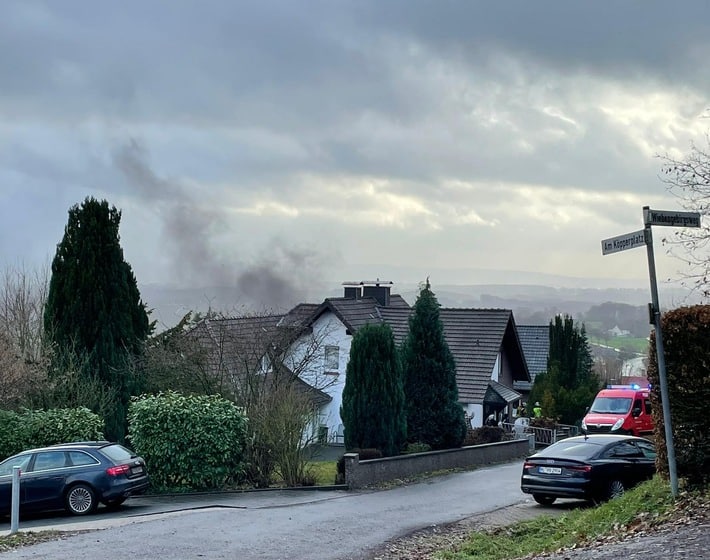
x: 94, y: 310
x: 434, y: 415
x: 569, y: 384
x: 373, y: 398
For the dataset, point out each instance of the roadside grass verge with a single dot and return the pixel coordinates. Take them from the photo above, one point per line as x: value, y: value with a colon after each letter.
x: 647, y: 505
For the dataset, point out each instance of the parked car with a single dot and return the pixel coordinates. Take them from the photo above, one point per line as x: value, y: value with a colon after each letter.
x: 75, y: 476
x: 591, y: 467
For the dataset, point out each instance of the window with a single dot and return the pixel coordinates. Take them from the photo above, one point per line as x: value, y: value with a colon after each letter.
x: 79, y: 458
x: 623, y: 450
x: 332, y: 359
x: 6, y: 468
x: 647, y: 405
x: 49, y: 460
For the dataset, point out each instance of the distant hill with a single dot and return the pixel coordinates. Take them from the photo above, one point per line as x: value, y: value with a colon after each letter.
x: 531, y: 304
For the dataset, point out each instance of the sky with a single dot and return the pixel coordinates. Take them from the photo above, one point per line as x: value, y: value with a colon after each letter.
x: 277, y: 146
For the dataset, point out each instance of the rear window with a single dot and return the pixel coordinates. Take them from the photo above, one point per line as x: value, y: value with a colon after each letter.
x: 570, y: 449
x: 117, y: 453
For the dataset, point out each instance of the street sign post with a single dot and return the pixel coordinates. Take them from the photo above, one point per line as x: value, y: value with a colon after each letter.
x: 623, y: 242
x: 637, y: 239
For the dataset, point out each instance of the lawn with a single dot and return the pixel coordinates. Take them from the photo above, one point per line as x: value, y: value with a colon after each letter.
x: 647, y: 505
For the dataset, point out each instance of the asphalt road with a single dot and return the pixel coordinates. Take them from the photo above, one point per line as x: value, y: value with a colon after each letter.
x: 285, y: 524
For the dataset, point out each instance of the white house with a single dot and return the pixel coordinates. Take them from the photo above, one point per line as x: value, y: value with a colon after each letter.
x: 484, y: 343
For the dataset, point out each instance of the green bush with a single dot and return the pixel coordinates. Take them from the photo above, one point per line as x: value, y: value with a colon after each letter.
x: 417, y: 447
x: 38, y: 428
x: 484, y: 434
x: 686, y: 338
x: 13, y: 433
x: 188, y: 442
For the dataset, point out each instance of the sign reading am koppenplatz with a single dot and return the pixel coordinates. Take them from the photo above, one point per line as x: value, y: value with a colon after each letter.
x: 670, y: 218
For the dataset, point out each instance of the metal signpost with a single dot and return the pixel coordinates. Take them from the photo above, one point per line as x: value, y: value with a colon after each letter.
x: 15, y: 502
x: 637, y: 239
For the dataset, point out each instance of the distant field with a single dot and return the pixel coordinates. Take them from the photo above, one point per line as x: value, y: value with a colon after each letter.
x: 623, y: 343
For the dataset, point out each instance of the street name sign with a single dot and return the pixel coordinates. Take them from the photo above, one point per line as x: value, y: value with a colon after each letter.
x: 670, y: 218
x: 623, y: 242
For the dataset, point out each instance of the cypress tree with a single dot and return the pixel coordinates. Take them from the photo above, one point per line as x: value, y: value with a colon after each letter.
x: 94, y: 311
x: 569, y: 384
x: 373, y: 398
x: 434, y: 415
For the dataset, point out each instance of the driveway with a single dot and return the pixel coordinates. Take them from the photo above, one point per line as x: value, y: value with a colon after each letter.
x: 287, y: 524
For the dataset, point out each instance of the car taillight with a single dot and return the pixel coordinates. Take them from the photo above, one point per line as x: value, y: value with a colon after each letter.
x: 582, y: 468
x: 118, y: 470
x: 528, y: 465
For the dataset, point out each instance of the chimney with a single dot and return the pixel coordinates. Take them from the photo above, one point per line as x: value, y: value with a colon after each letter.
x: 379, y: 290
x: 353, y: 290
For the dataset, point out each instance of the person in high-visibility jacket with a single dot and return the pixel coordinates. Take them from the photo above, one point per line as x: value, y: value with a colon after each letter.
x: 537, y: 410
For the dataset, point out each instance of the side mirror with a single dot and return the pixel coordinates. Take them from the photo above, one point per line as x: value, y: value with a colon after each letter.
x: 586, y: 410
x: 636, y: 412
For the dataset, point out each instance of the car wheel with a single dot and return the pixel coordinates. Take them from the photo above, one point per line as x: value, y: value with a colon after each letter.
x: 115, y: 503
x: 615, y: 489
x: 80, y: 500
x: 544, y: 500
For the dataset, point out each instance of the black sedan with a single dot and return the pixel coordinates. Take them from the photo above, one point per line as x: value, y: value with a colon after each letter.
x: 592, y: 467
x: 74, y: 476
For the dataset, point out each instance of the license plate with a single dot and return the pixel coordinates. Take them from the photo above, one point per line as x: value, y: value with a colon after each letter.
x: 137, y: 470
x: 550, y: 470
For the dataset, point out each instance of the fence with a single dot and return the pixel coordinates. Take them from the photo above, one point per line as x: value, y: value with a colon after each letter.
x: 543, y: 436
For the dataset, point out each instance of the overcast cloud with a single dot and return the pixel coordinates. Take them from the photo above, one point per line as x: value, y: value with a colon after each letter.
x: 271, y: 146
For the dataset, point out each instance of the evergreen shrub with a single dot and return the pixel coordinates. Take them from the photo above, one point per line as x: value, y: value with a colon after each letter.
x: 194, y: 442
x: 39, y: 428
x: 686, y: 342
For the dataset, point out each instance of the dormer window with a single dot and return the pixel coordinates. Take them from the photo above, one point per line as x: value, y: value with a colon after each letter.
x: 332, y: 360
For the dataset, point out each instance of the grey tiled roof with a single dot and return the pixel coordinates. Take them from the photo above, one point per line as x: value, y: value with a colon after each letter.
x: 238, y: 344
x: 475, y: 337
x: 535, y: 340
x: 356, y: 313
x: 502, y: 393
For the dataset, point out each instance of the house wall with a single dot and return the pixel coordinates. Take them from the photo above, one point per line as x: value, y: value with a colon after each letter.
x: 327, y: 331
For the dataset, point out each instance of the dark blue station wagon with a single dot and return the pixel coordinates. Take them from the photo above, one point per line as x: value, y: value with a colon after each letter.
x: 74, y: 476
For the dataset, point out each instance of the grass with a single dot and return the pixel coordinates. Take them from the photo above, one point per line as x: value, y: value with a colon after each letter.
x: 623, y: 343
x: 649, y: 501
x: 323, y: 472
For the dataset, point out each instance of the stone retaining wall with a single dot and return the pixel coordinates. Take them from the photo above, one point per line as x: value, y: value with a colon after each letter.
x: 365, y: 473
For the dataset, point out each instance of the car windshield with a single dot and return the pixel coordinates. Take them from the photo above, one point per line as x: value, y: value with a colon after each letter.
x: 611, y: 405
x: 117, y: 453
x: 571, y: 449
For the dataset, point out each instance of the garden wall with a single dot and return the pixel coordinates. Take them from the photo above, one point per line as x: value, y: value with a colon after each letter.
x: 365, y: 473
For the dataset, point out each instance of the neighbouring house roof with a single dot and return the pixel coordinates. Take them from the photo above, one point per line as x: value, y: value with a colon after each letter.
x: 475, y: 337
x: 237, y: 345
x: 535, y: 341
x: 500, y: 394
x: 358, y: 312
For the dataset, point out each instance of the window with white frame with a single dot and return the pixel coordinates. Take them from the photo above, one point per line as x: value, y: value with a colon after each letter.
x: 266, y: 366
x: 332, y: 359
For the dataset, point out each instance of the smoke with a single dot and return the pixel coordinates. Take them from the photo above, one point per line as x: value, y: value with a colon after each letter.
x: 282, y: 275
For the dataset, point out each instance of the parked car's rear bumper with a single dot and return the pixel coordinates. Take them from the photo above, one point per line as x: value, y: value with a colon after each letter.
x: 568, y: 489
x: 126, y: 489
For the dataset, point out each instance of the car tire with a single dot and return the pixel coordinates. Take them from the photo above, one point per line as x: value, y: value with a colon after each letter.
x: 115, y: 503
x: 615, y: 489
x: 544, y: 500
x: 80, y: 499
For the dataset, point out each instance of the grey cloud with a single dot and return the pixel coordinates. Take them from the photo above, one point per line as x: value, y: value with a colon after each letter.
x: 279, y: 278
